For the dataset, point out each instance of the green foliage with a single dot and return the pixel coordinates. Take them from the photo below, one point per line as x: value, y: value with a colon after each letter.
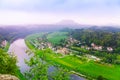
x: 20, y: 75
x: 60, y: 74
x: 38, y: 69
x: 110, y: 58
x: 99, y: 37
x: 57, y: 37
x: 34, y: 36
x: 80, y: 49
x: 100, y: 78
x: 7, y: 63
x: 91, y: 69
x: 86, y: 67
x: 106, y: 57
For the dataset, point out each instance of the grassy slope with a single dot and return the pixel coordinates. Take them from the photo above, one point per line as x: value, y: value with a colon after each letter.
x: 92, y: 69
x: 55, y: 37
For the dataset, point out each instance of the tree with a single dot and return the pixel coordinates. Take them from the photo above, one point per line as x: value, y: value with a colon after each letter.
x: 60, y: 74
x: 7, y: 63
x: 38, y: 69
x: 101, y: 78
x: 110, y: 58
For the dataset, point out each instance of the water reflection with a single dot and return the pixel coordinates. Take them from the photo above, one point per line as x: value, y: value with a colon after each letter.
x: 19, y: 47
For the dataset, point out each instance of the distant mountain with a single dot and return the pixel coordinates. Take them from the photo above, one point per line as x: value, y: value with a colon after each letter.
x: 71, y: 24
x: 67, y: 22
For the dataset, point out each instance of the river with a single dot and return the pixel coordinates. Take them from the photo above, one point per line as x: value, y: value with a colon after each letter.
x: 19, y: 47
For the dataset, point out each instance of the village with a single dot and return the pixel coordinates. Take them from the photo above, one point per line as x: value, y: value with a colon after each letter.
x: 42, y: 43
x: 97, y: 47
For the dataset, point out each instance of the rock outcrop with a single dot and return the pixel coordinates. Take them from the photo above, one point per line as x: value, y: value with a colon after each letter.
x: 7, y: 77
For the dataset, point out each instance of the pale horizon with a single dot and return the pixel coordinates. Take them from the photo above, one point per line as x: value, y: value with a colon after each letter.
x: 89, y: 12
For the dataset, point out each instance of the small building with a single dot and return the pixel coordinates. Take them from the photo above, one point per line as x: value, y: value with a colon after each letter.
x: 49, y: 45
x: 109, y: 49
x: 97, y: 47
x: 92, y: 44
x: 63, y: 51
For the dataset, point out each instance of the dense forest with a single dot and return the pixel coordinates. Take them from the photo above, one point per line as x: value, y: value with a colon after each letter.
x: 106, y: 36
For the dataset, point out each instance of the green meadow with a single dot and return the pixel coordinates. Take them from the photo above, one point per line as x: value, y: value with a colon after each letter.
x: 56, y: 37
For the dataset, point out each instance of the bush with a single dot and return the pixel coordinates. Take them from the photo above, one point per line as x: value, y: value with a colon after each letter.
x: 7, y: 63
x: 101, y: 78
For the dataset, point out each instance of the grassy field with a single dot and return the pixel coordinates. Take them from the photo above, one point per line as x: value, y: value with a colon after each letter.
x: 74, y: 63
x: 91, y: 69
x: 55, y: 37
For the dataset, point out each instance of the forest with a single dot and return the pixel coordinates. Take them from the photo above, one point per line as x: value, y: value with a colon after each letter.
x: 106, y: 37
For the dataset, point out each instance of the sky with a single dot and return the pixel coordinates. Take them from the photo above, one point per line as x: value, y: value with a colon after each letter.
x: 93, y: 12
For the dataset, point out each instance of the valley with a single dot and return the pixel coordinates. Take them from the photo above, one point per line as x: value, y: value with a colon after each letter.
x: 62, y: 55
x: 59, y: 39
x: 88, y: 67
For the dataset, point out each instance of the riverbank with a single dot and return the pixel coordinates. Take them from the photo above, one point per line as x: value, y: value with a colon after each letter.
x: 53, y: 56
x: 49, y: 60
x: 90, y: 68
x: 18, y: 47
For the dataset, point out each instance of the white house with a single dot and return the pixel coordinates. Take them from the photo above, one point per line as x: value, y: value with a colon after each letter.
x: 110, y: 49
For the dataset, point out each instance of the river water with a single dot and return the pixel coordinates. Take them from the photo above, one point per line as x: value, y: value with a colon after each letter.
x: 19, y: 48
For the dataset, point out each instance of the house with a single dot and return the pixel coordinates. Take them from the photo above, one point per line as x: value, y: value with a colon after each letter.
x: 71, y: 41
x: 44, y: 45
x: 109, y: 49
x: 96, y: 47
x: 63, y: 51
x: 92, y: 44
x: 49, y: 45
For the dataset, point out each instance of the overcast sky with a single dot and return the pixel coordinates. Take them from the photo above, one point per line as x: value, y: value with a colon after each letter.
x: 99, y: 12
